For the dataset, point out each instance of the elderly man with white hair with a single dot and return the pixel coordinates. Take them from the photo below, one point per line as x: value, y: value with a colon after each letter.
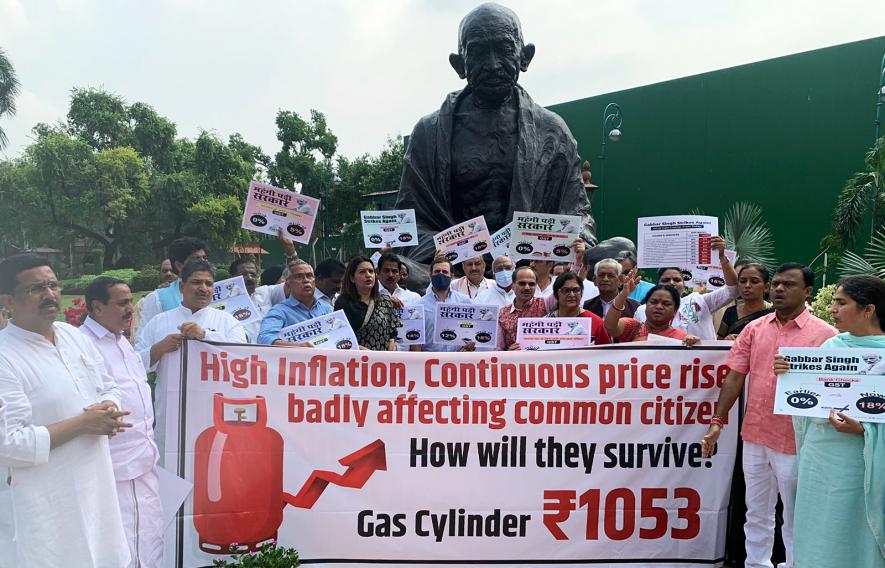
x: 608, y: 277
x: 501, y: 293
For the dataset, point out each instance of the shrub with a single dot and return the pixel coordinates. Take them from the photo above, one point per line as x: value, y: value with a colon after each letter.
x: 269, y: 557
x: 147, y: 279
x: 821, y: 304
x: 124, y: 274
x: 221, y: 274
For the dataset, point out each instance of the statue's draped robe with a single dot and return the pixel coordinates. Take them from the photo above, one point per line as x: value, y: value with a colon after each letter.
x: 546, y: 173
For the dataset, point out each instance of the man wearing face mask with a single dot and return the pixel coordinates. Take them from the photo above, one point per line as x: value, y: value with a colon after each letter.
x: 133, y: 451
x: 440, y: 291
x: 501, y: 293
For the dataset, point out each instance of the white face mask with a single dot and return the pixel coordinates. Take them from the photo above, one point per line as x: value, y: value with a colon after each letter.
x: 504, y: 278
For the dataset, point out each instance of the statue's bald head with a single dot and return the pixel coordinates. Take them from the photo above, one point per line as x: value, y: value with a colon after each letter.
x: 489, y: 16
x: 491, y: 52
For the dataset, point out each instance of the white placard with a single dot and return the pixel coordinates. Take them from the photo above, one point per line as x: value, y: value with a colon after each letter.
x: 331, y: 331
x: 173, y: 492
x: 394, y: 228
x: 675, y: 240
x: 711, y: 276
x: 534, y: 334
x: 501, y: 241
x: 232, y: 297
x: 544, y: 236
x: 848, y: 380
x: 270, y: 208
x: 465, y: 240
x: 411, y: 329
x: 459, y: 324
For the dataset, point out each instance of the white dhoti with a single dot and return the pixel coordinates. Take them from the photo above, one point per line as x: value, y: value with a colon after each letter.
x: 142, y: 513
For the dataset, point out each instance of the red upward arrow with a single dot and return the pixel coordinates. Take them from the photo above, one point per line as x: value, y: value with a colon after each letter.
x: 361, y: 464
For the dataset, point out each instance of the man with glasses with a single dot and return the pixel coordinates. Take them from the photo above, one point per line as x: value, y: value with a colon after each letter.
x: 301, y: 305
x: 608, y: 277
x: 60, y: 404
x: 628, y: 263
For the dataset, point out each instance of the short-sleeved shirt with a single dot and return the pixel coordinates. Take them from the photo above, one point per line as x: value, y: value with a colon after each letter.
x: 753, y: 352
x: 509, y: 315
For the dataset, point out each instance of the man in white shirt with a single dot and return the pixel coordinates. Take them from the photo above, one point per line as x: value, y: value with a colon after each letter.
x: 245, y: 267
x: 501, y: 294
x: 193, y: 319
x: 329, y: 276
x: 389, y: 266
x: 164, y: 299
x: 695, y: 312
x: 133, y: 452
x: 60, y: 406
x: 474, y: 281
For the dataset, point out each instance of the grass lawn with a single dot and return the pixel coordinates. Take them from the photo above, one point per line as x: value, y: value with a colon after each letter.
x: 67, y: 301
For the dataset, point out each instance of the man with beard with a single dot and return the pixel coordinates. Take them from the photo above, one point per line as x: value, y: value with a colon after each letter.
x: 160, y: 340
x: 133, y: 452
x: 440, y: 292
x: 301, y: 305
x: 769, y: 453
x: 60, y: 405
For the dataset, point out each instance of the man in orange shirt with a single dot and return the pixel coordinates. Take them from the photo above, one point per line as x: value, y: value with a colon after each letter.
x: 769, y: 454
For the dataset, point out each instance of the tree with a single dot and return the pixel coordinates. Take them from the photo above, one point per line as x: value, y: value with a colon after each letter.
x: 862, y: 189
x: 9, y: 89
x: 306, y: 154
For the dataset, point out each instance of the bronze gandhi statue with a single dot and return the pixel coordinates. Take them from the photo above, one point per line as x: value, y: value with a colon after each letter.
x: 490, y: 149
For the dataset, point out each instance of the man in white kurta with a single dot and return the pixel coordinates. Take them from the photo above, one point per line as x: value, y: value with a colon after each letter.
x: 159, y: 342
x: 133, y: 452
x: 60, y: 405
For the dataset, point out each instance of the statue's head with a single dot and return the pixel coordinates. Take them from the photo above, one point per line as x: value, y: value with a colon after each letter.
x: 491, y: 52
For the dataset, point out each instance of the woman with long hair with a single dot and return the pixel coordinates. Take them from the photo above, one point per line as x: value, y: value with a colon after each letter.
x: 661, y: 303
x: 567, y: 290
x: 753, y: 284
x: 373, y: 317
x: 839, y: 518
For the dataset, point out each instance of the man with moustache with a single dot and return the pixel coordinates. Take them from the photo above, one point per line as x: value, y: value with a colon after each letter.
x: 60, y: 405
x: 193, y: 319
x: 389, y: 266
x: 526, y: 304
x: 133, y: 452
x: 474, y: 281
x: 301, y: 305
x: 769, y: 453
x: 245, y: 267
x: 608, y: 278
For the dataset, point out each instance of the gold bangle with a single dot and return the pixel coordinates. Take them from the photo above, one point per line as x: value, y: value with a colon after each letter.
x: 621, y: 309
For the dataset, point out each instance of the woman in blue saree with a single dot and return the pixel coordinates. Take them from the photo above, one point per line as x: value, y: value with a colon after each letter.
x: 840, y: 501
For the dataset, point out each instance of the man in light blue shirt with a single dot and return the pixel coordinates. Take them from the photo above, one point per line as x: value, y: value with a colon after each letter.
x: 440, y: 291
x: 300, y: 305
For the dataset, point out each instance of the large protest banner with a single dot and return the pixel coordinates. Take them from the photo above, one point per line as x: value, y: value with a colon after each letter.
x: 569, y: 457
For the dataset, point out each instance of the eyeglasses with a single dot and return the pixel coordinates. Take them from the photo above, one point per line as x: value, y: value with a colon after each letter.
x: 37, y: 289
x: 572, y: 291
x: 302, y: 277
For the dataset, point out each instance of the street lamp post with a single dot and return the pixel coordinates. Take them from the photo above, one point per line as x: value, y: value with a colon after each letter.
x: 611, y: 130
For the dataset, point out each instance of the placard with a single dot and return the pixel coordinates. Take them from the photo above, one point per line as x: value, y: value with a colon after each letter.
x: 512, y: 458
x: 675, y: 240
x: 232, y: 297
x: 540, y: 334
x: 270, y: 208
x: 465, y: 240
x: 848, y: 380
x: 459, y: 324
x: 331, y: 331
x: 394, y: 228
x: 501, y: 241
x: 544, y: 236
x: 411, y: 328
x: 709, y: 276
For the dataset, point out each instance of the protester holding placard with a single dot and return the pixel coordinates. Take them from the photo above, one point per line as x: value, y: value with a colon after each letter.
x: 526, y: 304
x: 501, y: 294
x: 440, y: 291
x: 474, y: 281
x: 753, y: 285
x: 769, y: 454
x: 245, y: 267
x: 840, y: 517
x: 301, y: 305
x: 662, y: 302
x: 567, y: 291
x: 695, y: 313
x: 374, y: 318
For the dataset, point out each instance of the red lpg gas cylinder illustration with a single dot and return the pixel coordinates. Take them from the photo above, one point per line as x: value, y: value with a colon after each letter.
x: 238, y: 478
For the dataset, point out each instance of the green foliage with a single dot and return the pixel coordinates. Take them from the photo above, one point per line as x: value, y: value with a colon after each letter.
x: 872, y: 263
x: 853, y: 204
x: 9, y: 89
x: 146, y: 279
x: 269, y: 557
x: 221, y: 274
x: 822, y: 301
x: 124, y: 274
x: 747, y: 234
